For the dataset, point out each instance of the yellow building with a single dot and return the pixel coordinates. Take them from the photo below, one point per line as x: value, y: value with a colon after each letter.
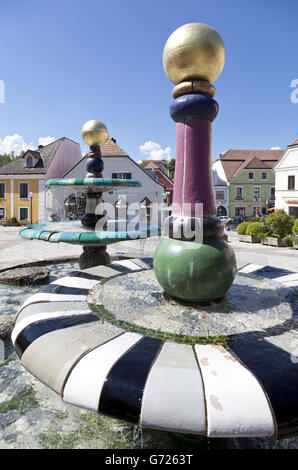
x: 22, y: 181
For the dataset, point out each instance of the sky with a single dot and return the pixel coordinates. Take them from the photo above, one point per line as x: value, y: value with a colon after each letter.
x: 63, y: 62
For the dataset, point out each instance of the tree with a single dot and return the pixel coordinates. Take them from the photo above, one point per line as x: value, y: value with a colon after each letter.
x: 171, y: 167
x: 4, y: 159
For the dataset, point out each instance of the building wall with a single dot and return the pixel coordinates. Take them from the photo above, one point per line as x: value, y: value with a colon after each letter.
x: 248, y: 201
x: 67, y: 155
x: 150, y: 188
x: 12, y: 202
x: 288, y: 166
x: 34, y: 187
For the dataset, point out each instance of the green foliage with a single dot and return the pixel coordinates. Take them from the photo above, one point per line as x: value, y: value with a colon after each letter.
x: 241, y: 229
x: 171, y: 167
x: 22, y: 402
x: 12, y: 221
x: 295, y: 227
x: 4, y: 159
x: 279, y: 224
x: 255, y: 229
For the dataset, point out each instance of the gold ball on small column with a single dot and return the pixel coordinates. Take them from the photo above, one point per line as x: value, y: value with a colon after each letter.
x: 94, y: 132
x: 195, y: 51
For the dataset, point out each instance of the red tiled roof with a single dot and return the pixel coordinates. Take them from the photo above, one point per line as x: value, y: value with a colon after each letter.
x: 295, y: 142
x: 111, y: 148
x: 234, y: 161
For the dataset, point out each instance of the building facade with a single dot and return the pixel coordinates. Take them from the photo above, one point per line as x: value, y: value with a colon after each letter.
x: 22, y: 181
x: 117, y: 164
x: 250, y: 178
x: 286, y: 181
x: 221, y: 190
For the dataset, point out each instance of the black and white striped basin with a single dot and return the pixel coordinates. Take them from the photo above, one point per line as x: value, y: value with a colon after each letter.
x: 246, y: 387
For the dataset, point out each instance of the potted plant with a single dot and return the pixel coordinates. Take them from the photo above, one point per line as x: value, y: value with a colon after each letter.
x: 279, y: 225
x: 250, y: 232
x: 295, y: 234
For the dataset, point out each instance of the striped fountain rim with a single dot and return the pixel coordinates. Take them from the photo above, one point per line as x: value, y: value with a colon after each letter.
x: 245, y: 388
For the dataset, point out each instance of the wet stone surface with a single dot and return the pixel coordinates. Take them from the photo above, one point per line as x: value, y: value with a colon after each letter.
x: 251, y: 304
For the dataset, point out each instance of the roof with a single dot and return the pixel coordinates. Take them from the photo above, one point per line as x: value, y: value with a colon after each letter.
x: 45, y: 156
x: 293, y: 143
x: 235, y: 161
x: 110, y: 148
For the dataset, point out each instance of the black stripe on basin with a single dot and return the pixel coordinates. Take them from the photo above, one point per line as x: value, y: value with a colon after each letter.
x: 84, y: 275
x: 42, y: 327
x: 276, y: 372
x: 122, y: 393
x: 63, y: 290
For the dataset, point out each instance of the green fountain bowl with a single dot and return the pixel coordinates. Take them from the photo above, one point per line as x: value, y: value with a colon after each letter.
x: 194, y: 271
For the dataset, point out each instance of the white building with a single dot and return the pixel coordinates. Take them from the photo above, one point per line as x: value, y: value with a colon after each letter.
x: 286, y: 181
x: 221, y: 189
x: 117, y: 164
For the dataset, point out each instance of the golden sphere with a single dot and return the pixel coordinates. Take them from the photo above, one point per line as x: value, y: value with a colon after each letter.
x: 94, y: 132
x: 194, y: 51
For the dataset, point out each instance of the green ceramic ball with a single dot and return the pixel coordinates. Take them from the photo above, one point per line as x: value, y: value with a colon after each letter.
x: 194, y: 271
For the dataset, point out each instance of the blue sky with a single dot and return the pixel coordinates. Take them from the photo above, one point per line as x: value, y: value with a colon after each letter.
x: 65, y: 62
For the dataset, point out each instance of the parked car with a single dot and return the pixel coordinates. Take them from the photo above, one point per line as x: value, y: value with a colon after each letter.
x: 224, y: 219
x: 235, y: 221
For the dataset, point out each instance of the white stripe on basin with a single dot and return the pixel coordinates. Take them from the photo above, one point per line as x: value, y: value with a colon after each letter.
x: 174, y: 397
x: 236, y: 403
x: 48, y: 297
x: 21, y: 325
x: 85, y: 382
x: 77, y: 282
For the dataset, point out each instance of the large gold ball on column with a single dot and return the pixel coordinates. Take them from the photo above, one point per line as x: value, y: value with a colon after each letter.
x: 194, y: 51
x: 94, y: 132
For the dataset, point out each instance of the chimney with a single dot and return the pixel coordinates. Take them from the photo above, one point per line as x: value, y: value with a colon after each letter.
x: 113, y: 140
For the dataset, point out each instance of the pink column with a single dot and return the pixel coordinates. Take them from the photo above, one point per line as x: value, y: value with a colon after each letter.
x: 193, y: 170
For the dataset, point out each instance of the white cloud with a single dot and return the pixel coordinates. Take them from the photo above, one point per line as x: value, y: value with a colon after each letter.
x: 14, y: 143
x: 275, y: 148
x: 154, y: 151
x: 46, y: 140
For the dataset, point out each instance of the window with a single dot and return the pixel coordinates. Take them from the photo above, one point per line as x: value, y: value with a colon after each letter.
x: 257, y: 211
x: 220, y: 194
x: 30, y: 162
x: 239, y: 193
x: 2, y: 190
x: 257, y: 193
x: 291, y: 182
x: 264, y: 175
x: 23, y: 190
x: 122, y: 176
x: 2, y: 213
x: 250, y: 175
x: 24, y: 213
x: 239, y: 211
x: 272, y: 193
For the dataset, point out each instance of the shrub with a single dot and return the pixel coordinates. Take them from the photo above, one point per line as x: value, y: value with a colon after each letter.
x: 255, y: 229
x: 279, y: 224
x: 241, y: 229
x: 295, y: 227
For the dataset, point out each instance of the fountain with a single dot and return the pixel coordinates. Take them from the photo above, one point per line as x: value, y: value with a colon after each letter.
x: 192, y: 346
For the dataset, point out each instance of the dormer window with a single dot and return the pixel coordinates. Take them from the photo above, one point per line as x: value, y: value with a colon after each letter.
x: 29, y: 162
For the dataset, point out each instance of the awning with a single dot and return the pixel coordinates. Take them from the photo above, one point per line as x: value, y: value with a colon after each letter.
x: 271, y: 209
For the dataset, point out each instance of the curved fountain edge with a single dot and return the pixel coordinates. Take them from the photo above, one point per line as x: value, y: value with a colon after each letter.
x: 218, y: 394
